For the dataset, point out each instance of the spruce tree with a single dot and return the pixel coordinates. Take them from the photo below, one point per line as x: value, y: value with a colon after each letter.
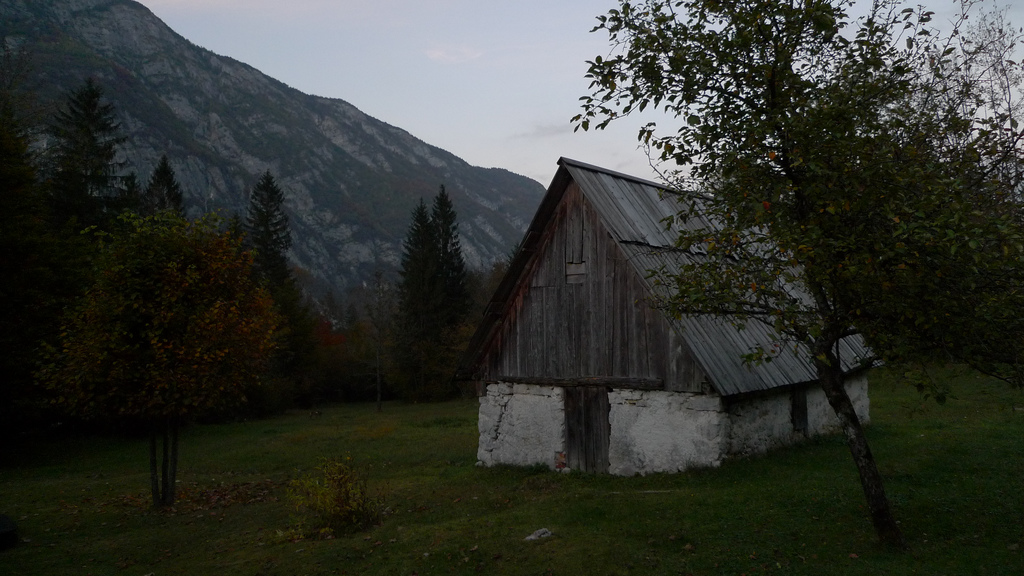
x: 421, y: 289
x: 268, y: 234
x: 130, y: 196
x: 433, y: 300
x: 451, y: 266
x: 419, y: 296
x: 83, y: 157
x: 32, y: 267
x: 266, y: 228
x: 162, y: 192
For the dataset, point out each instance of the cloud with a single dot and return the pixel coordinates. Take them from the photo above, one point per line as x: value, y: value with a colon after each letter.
x: 544, y: 131
x: 453, y: 54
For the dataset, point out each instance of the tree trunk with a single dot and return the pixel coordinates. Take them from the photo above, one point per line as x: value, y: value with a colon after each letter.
x: 832, y: 382
x: 164, y: 468
x: 171, y: 473
x: 377, y: 370
x: 154, y: 482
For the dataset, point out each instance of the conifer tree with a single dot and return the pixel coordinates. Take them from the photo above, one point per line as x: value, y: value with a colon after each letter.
x: 131, y: 193
x: 268, y: 233
x: 40, y: 272
x: 30, y: 295
x: 266, y: 227
x: 418, y: 299
x: 451, y: 267
x: 433, y: 299
x: 420, y: 287
x: 84, y: 166
x: 163, y: 191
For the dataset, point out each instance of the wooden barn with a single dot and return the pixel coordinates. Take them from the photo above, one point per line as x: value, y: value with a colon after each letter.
x: 576, y: 369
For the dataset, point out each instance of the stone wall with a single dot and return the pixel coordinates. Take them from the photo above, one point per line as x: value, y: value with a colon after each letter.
x: 762, y: 423
x: 656, y: 431
x: 522, y: 425
x: 651, y: 431
x: 821, y: 419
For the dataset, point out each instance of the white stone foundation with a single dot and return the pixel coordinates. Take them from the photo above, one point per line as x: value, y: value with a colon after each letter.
x: 651, y: 431
x: 521, y: 424
x: 656, y: 431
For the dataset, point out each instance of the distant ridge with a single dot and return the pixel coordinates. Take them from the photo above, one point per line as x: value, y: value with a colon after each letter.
x: 351, y: 180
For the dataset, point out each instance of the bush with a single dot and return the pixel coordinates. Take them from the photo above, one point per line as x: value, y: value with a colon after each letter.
x: 334, y: 499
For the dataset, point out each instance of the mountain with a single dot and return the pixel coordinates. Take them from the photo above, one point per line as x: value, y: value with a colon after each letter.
x: 351, y: 181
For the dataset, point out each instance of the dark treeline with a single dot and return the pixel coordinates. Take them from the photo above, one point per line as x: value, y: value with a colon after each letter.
x: 67, y: 197
x: 403, y: 337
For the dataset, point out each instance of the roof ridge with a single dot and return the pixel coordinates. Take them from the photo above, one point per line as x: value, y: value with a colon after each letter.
x: 562, y: 161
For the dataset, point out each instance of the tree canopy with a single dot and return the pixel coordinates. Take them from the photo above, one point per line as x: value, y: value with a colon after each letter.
x: 852, y: 177
x: 174, y: 325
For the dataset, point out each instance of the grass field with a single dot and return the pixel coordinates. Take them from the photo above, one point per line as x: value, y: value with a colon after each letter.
x: 955, y: 474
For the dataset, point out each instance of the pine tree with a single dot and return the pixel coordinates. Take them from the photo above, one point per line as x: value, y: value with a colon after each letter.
x: 30, y: 269
x: 433, y: 300
x: 266, y: 228
x: 267, y: 232
x: 421, y: 294
x: 163, y: 191
x: 130, y: 197
x: 419, y: 297
x: 84, y: 166
x: 451, y: 265
x: 41, y: 272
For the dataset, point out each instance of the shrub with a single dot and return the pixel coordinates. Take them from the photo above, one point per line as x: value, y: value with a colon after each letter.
x: 334, y: 499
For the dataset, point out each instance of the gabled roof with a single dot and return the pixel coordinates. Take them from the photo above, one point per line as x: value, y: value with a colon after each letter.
x: 633, y: 211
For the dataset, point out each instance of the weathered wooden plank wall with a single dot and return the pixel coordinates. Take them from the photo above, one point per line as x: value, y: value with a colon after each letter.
x: 582, y: 312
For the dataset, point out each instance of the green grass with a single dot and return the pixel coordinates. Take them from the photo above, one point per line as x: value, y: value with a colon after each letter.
x: 955, y: 474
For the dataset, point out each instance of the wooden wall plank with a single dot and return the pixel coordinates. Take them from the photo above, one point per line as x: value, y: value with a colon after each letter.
x: 599, y: 327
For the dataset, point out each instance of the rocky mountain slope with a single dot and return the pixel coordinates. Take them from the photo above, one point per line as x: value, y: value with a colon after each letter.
x: 351, y: 181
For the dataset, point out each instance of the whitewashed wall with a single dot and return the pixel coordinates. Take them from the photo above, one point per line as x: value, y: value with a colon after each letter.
x: 821, y: 418
x: 763, y: 423
x: 656, y: 431
x: 651, y: 431
x: 760, y: 424
x: 521, y: 424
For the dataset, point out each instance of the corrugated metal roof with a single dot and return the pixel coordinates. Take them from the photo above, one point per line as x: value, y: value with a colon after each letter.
x: 634, y: 210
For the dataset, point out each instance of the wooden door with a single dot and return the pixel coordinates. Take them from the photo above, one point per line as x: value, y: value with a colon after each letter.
x: 587, y: 428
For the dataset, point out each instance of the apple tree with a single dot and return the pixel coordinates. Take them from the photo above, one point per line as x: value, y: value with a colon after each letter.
x: 838, y: 177
x: 174, y: 325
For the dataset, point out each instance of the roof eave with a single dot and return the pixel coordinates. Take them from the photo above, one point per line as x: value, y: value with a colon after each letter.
x: 525, y: 252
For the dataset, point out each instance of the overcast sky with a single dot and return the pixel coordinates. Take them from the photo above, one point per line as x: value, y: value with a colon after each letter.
x: 494, y: 82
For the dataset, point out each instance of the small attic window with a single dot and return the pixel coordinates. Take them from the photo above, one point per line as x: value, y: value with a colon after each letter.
x: 575, y: 272
x: 575, y: 246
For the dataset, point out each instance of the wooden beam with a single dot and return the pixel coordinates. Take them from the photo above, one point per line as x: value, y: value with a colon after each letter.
x: 609, y: 381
